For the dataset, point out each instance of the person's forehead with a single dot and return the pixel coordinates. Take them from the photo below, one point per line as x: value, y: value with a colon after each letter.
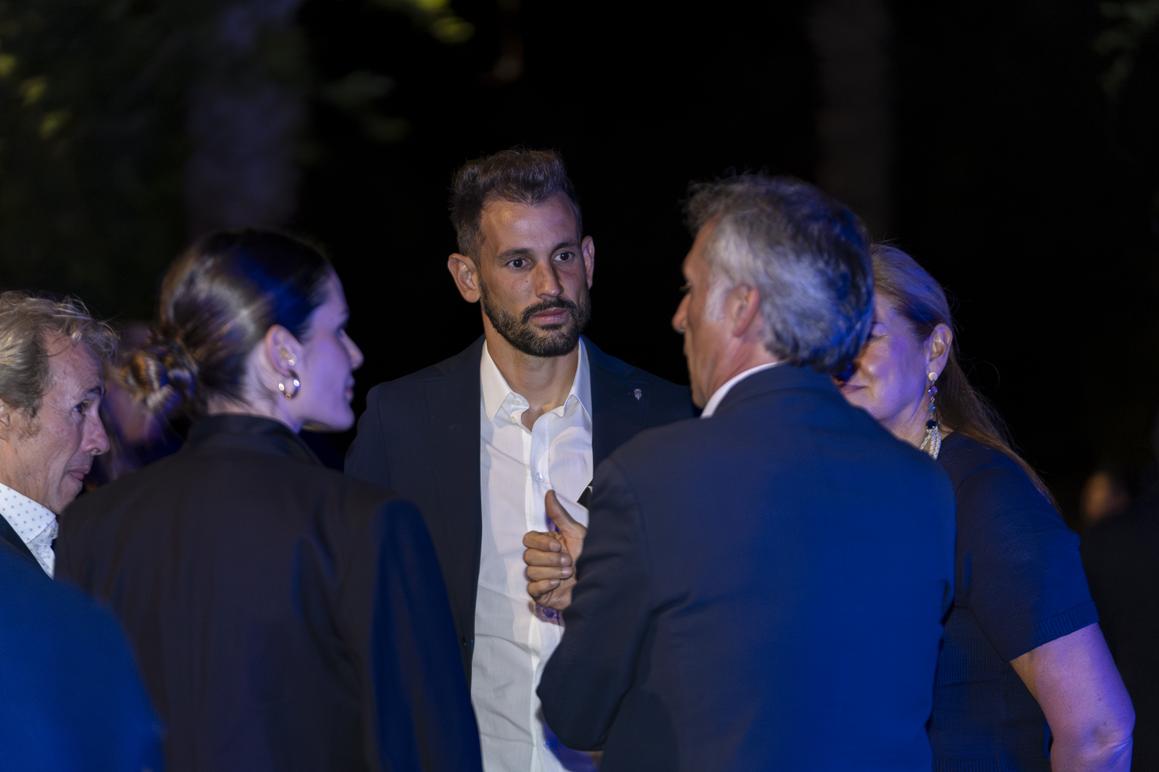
x: 334, y: 300
x: 885, y: 307
x: 697, y: 257
x: 506, y: 220
x: 74, y: 367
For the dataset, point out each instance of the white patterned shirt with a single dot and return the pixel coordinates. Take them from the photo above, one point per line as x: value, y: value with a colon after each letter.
x: 33, y: 522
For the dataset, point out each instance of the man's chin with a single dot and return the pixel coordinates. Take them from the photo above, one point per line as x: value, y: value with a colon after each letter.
x: 552, y: 347
x: 556, y: 341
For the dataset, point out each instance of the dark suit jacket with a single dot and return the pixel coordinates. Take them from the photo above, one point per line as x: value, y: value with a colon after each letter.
x: 420, y: 437
x: 11, y: 543
x: 762, y: 589
x: 285, y: 616
x: 70, y: 694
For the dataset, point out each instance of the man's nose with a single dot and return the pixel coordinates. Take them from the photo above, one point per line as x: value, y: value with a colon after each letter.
x: 547, y: 280
x: 681, y: 315
x: 96, y: 440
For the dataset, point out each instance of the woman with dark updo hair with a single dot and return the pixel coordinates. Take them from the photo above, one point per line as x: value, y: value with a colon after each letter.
x: 1024, y: 679
x: 285, y: 617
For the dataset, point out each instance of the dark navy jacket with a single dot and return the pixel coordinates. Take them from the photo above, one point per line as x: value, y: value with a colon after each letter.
x: 762, y: 589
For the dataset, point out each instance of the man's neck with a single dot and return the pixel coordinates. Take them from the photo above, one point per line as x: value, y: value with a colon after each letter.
x: 543, y: 381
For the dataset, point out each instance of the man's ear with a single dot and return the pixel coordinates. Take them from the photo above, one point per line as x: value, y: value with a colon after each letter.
x: 743, y: 306
x: 588, y: 250
x: 938, y: 347
x: 5, y: 421
x: 465, y: 275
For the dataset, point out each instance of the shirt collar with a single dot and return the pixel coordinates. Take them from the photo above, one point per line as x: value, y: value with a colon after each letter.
x: 497, y: 392
x: 719, y: 395
x: 35, y: 516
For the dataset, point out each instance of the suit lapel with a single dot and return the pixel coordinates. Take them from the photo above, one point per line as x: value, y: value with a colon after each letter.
x: 619, y: 403
x: 453, y: 414
x: 10, y: 540
x: 773, y: 381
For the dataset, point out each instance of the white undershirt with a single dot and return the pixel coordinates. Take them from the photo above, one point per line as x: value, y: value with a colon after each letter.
x: 33, y: 522
x: 512, y: 641
x: 719, y: 395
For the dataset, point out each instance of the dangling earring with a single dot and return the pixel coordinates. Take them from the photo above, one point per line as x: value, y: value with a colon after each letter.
x: 291, y: 391
x: 932, y: 441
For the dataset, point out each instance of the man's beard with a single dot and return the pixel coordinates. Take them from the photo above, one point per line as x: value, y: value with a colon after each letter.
x: 550, y: 342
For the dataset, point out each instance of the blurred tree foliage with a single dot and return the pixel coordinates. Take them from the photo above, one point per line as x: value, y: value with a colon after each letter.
x: 128, y: 125
x: 91, y: 145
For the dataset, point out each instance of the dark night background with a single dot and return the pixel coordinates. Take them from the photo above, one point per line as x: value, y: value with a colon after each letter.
x: 1010, y: 147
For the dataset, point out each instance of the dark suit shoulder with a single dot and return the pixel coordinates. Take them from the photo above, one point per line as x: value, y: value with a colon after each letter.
x: 69, y: 675
x: 466, y: 360
x: 618, y: 368
x: 215, y: 484
x: 667, y: 401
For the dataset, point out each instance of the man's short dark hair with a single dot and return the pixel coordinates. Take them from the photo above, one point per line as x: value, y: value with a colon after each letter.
x: 518, y: 175
x: 806, y: 254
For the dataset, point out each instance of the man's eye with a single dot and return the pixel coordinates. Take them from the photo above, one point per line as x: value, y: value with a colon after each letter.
x: 685, y: 288
x: 564, y: 257
x: 83, y: 407
x: 518, y: 262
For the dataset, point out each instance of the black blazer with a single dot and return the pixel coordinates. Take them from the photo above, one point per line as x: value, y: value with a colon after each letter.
x: 762, y: 589
x: 11, y: 543
x: 71, y: 697
x: 420, y: 437
x: 285, y: 616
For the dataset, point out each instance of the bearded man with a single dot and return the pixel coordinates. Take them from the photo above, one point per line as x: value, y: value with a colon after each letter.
x: 478, y: 440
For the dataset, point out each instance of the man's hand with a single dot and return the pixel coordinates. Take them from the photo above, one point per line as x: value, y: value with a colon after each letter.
x: 551, y: 557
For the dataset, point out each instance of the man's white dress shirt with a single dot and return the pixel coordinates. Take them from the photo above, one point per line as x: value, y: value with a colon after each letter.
x: 33, y: 522
x: 512, y: 638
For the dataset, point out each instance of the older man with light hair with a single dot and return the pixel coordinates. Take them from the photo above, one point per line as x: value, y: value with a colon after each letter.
x: 52, y: 356
x: 762, y: 587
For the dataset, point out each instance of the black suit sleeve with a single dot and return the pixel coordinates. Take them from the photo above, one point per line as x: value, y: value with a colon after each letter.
x: 396, y: 613
x: 366, y: 459
x: 591, y: 671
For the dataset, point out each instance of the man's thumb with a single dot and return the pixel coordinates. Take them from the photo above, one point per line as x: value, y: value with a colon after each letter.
x: 563, y: 521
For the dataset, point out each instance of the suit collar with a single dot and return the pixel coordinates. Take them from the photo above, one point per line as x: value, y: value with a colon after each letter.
x: 782, y: 378
x: 248, y: 432
x: 452, y: 399
x: 496, y: 389
x: 621, y: 402
x: 722, y: 392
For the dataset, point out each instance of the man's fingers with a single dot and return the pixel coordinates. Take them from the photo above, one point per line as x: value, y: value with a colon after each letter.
x: 538, y: 589
x: 550, y: 559
x: 539, y: 540
x: 538, y: 573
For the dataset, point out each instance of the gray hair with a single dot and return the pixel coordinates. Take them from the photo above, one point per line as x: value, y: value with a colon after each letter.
x: 28, y: 325
x: 805, y: 253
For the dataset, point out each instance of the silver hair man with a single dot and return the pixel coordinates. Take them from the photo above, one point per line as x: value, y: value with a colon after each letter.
x: 52, y: 358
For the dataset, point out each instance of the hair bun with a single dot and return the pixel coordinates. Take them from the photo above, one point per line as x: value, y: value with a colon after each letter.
x: 162, y: 374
